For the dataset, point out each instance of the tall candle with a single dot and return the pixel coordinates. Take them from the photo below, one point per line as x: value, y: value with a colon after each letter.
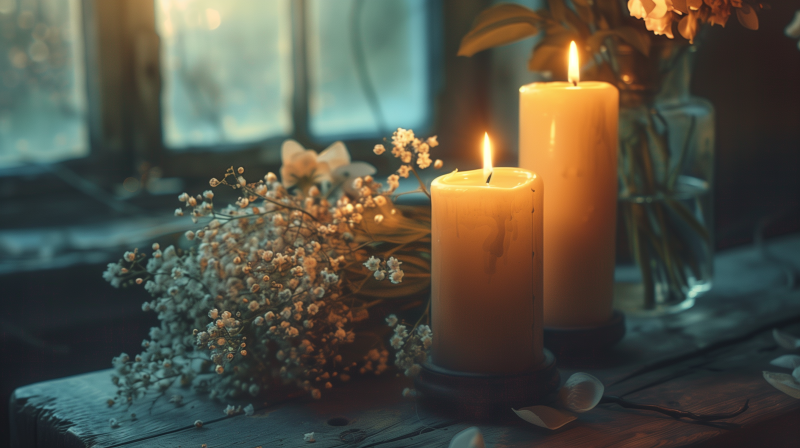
x: 486, y: 277
x: 568, y: 131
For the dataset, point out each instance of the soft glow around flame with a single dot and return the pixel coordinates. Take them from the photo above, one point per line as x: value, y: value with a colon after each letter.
x: 574, y: 73
x: 487, y: 157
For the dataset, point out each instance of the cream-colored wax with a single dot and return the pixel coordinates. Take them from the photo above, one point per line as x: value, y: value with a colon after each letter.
x: 486, y: 278
x: 569, y: 133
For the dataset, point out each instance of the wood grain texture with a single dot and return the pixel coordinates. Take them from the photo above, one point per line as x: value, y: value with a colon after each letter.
x: 708, y: 359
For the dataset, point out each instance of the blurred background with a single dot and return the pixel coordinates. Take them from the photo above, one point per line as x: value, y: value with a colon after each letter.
x: 109, y: 109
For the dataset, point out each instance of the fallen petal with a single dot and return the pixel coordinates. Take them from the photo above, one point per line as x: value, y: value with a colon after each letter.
x: 786, y: 361
x: 785, y: 340
x: 468, y: 438
x: 581, y: 392
x: 544, y: 416
x: 793, y: 29
x: 784, y: 383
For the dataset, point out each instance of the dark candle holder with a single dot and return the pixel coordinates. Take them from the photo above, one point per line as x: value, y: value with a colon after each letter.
x: 487, y: 396
x: 585, y: 342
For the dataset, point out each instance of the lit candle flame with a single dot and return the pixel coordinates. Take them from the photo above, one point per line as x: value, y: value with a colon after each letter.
x: 574, y: 73
x: 487, y: 158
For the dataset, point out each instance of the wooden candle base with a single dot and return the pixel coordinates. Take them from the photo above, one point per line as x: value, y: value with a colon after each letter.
x: 486, y: 396
x: 586, y: 342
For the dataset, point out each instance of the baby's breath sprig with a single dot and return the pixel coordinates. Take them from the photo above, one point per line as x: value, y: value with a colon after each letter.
x: 269, y: 293
x: 410, y: 149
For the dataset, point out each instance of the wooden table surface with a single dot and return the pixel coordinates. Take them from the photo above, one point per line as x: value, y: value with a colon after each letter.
x: 707, y: 359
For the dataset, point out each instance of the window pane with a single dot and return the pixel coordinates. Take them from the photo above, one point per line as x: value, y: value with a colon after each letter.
x: 42, y: 85
x: 227, y: 71
x: 393, y: 89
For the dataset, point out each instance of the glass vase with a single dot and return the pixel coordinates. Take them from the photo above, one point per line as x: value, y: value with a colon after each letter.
x: 666, y: 160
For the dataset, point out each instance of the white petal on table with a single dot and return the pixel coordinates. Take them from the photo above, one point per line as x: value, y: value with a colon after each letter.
x: 468, y: 438
x: 581, y: 392
x: 786, y: 361
x: 784, y: 383
x: 545, y: 416
x: 785, y: 340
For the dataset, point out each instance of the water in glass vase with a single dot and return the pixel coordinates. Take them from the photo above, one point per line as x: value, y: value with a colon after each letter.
x: 665, y: 258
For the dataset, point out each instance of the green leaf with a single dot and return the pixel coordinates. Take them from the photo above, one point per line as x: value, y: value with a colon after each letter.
x: 500, y: 25
x: 611, y: 11
x: 562, y: 13
x: 551, y: 53
x: 747, y: 17
x: 635, y: 38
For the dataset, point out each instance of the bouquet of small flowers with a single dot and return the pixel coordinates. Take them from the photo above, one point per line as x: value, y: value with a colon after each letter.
x: 276, y: 285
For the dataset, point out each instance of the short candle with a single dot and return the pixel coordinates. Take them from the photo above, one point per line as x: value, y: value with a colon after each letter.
x: 568, y: 131
x: 486, y: 277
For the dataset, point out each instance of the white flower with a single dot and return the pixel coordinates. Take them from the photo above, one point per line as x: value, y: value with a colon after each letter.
x: 249, y: 410
x: 660, y: 26
x: 403, y: 171
x: 380, y: 201
x: 401, y: 330
x: 378, y: 219
x: 655, y: 9
x: 391, y: 320
x: 413, y: 371
x: 393, y: 264
x: 373, y: 264
x: 393, y: 181
x: 424, y: 160
x: 379, y: 275
x: 313, y: 309
x: 396, y: 342
x: 379, y: 149
x: 432, y: 142
x: 309, y: 437
x: 402, y: 137
x: 396, y: 276
x: 426, y: 342
x: 305, y: 166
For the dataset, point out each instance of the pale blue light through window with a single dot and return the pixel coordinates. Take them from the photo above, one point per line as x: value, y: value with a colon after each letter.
x: 371, y: 82
x: 226, y: 70
x: 42, y: 84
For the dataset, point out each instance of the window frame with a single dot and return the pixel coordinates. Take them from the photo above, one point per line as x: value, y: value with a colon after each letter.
x: 123, y: 87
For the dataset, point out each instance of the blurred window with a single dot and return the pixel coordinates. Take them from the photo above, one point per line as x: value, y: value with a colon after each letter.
x: 368, y: 66
x: 42, y: 84
x: 227, y: 71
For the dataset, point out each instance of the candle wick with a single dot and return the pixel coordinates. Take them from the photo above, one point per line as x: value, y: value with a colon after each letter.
x: 575, y: 83
x: 489, y: 179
